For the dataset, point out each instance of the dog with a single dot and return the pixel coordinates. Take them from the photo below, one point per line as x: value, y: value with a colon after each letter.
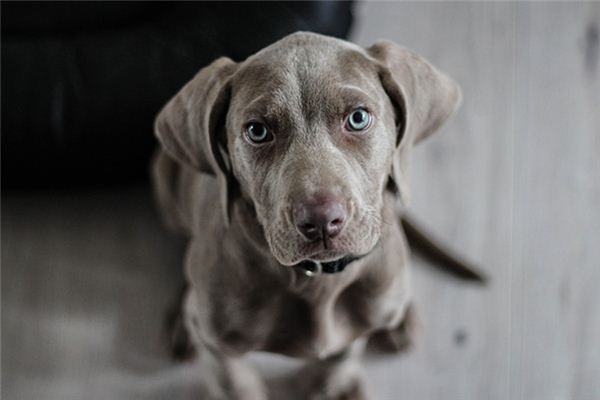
x: 288, y: 172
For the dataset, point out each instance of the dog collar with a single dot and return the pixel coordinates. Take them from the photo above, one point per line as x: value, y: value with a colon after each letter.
x: 312, y: 268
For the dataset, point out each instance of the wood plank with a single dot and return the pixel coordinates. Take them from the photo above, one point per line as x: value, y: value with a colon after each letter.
x: 86, y: 280
x: 523, y: 196
x: 462, y: 188
x: 556, y: 336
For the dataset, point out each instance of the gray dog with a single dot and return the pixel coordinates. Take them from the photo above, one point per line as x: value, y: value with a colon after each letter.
x: 286, y: 171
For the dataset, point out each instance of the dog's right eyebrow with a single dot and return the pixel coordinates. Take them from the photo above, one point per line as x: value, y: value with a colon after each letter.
x: 357, y: 93
x: 253, y: 104
x: 353, y: 87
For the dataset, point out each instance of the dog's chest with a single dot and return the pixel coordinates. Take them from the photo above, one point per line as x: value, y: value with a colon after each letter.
x: 314, y: 324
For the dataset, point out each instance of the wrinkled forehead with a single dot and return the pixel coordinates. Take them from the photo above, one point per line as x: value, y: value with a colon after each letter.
x: 310, y: 78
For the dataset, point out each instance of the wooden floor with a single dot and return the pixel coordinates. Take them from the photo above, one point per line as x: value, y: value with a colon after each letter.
x: 513, y: 181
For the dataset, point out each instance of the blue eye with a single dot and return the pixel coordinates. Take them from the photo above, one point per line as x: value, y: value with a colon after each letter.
x: 258, y: 133
x: 358, y: 120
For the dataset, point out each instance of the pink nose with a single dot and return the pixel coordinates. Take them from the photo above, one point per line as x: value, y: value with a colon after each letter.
x: 319, y: 217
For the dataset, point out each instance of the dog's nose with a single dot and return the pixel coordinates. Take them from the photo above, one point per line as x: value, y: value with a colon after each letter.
x: 320, y: 217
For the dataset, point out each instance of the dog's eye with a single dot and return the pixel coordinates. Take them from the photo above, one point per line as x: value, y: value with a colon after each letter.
x: 258, y: 133
x: 358, y: 120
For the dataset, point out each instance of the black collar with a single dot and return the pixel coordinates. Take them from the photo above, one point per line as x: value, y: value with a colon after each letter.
x: 312, y: 268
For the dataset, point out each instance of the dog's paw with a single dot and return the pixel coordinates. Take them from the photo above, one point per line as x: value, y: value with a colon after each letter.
x: 353, y: 390
x: 180, y: 344
x: 323, y: 381
x: 400, y: 339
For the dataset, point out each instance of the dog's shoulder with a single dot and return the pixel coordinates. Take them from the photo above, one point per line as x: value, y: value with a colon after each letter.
x: 188, y: 200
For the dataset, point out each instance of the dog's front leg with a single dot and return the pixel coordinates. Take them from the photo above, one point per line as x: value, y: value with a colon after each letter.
x: 335, y: 378
x: 398, y: 339
x: 223, y: 376
x: 229, y: 378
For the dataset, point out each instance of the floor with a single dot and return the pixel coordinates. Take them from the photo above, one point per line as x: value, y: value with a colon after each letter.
x: 512, y: 181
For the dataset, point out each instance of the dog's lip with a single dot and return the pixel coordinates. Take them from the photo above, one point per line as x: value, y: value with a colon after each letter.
x: 326, y: 256
x: 321, y: 255
x: 316, y: 252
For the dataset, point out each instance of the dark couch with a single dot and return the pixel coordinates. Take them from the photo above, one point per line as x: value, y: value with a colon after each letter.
x: 81, y: 82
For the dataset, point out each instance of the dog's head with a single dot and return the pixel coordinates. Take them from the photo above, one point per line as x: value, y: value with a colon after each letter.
x: 311, y: 131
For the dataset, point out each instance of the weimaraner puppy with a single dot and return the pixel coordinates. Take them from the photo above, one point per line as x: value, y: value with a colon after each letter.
x: 286, y: 171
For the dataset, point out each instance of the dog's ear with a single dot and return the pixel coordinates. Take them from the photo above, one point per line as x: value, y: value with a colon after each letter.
x: 191, y: 126
x: 424, y: 98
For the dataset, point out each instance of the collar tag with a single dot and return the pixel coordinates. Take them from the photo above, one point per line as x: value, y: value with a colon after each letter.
x: 312, y: 269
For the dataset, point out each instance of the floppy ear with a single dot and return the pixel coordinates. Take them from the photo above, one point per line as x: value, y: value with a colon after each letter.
x: 423, y: 97
x: 191, y: 123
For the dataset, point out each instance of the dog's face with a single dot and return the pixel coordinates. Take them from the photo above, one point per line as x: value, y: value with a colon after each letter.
x: 311, y: 135
x: 310, y: 129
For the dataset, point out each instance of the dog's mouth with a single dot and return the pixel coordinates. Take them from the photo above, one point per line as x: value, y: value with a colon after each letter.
x: 326, y: 250
x: 311, y: 268
x: 330, y: 256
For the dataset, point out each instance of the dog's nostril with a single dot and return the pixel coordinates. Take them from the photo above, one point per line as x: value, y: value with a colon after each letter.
x: 308, y: 227
x: 310, y: 231
x: 336, y: 222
